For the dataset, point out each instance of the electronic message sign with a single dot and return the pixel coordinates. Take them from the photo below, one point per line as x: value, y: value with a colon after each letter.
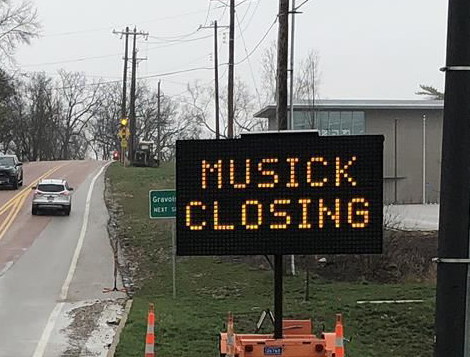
x: 280, y: 193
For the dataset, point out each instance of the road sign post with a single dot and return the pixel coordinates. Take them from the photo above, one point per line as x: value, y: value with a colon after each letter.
x: 162, y: 205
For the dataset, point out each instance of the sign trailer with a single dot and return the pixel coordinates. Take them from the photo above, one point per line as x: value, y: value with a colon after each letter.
x: 280, y: 193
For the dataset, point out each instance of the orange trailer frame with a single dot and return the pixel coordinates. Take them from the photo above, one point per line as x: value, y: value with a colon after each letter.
x: 298, y: 341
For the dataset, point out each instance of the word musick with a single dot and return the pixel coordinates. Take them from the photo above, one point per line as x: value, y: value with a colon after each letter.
x: 268, y: 169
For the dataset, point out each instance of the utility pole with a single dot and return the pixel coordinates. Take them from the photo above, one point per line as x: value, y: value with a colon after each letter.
x: 132, y: 118
x: 282, y: 55
x: 216, y: 27
x: 281, y: 115
x: 453, y: 269
x: 124, y: 83
x: 159, y: 126
x: 231, y: 50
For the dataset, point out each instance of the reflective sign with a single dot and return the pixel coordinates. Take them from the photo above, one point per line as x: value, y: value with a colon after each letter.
x: 281, y: 193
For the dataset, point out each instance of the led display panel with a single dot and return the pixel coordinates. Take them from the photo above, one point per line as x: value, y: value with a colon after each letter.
x: 280, y: 193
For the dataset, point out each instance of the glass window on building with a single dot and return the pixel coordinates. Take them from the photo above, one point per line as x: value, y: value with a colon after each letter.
x: 346, y: 123
x: 323, y: 122
x: 335, y: 123
x: 303, y: 120
x: 358, y: 123
x: 331, y: 122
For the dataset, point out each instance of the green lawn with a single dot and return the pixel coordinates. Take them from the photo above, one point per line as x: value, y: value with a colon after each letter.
x: 210, y: 287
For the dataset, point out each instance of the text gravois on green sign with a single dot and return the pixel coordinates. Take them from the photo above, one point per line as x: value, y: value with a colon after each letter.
x: 162, y: 204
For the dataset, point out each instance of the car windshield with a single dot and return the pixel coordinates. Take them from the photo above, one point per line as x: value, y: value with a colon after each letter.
x: 50, y: 187
x: 7, y: 161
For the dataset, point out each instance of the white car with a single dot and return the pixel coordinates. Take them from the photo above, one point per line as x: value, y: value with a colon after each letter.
x: 52, y: 194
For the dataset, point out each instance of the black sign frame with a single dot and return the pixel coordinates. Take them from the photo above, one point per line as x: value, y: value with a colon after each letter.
x: 360, y: 158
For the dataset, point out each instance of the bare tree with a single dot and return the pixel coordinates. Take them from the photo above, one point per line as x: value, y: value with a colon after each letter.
x: 103, y: 127
x: 199, y: 106
x: 79, y: 103
x: 307, y: 83
x: 6, y: 123
x: 18, y: 24
x: 269, y: 72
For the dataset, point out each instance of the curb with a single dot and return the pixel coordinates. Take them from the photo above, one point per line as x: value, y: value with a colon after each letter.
x: 122, y: 323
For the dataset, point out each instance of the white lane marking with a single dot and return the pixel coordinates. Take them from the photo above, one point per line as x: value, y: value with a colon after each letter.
x: 390, y: 302
x: 46, y: 334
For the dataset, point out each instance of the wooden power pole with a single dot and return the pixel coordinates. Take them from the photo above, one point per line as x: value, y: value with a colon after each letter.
x: 132, y: 117
x: 282, y: 58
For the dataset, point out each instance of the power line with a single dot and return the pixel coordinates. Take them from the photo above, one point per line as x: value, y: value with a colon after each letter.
x: 177, y: 42
x: 71, y: 61
x: 82, y: 59
x: 252, y: 15
x: 208, y: 12
x: 259, y: 43
x: 68, y: 33
x: 298, y: 7
x: 249, y: 62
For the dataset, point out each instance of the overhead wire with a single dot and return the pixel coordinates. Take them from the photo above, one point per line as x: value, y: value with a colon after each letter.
x: 249, y: 62
x: 259, y: 43
x: 68, y: 33
x: 176, y: 38
x: 250, y: 20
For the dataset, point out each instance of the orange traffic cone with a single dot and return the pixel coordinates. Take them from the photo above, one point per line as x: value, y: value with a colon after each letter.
x: 230, y: 337
x: 339, y: 341
x: 150, y: 338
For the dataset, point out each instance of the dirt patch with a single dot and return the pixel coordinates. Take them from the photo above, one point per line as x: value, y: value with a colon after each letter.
x: 91, y: 329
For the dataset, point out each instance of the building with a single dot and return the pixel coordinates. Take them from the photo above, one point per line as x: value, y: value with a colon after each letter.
x: 413, y: 138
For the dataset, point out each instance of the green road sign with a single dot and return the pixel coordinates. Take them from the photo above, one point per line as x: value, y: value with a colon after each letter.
x: 162, y: 204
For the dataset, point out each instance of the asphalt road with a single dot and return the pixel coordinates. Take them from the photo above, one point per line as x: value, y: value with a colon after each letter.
x: 53, y: 268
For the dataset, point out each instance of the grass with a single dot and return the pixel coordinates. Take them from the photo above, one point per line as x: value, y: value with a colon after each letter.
x: 209, y: 287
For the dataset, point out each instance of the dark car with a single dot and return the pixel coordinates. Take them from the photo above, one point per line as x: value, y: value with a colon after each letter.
x: 11, y: 171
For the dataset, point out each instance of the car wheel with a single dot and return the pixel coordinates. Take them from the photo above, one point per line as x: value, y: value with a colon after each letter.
x: 34, y: 210
x: 15, y: 184
x: 21, y: 182
x: 67, y: 210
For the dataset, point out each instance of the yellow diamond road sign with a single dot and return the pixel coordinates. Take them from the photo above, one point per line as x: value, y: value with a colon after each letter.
x: 124, y: 133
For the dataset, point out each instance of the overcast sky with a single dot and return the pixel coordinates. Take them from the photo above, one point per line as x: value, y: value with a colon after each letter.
x: 368, y: 49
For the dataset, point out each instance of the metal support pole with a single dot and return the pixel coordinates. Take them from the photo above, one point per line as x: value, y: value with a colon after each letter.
x: 159, y: 127
x: 395, y: 158
x: 452, y: 310
x: 216, y: 80
x: 173, y: 263
x: 278, y: 270
x: 291, y: 94
x: 424, y: 159
x: 231, y: 64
